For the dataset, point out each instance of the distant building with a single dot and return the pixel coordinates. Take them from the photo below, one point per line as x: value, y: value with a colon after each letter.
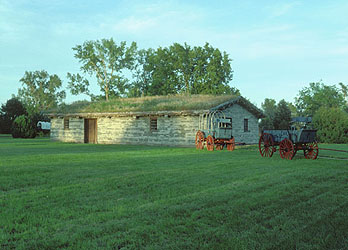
x: 165, y: 127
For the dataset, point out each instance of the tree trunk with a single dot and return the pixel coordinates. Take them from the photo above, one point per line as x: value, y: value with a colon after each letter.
x: 106, y: 93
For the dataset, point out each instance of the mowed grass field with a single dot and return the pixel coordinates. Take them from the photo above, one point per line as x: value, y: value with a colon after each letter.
x: 78, y: 196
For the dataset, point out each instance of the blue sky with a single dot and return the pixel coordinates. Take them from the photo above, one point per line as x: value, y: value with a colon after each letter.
x: 277, y: 47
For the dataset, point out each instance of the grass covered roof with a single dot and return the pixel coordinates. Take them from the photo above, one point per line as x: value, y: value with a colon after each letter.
x: 156, y: 103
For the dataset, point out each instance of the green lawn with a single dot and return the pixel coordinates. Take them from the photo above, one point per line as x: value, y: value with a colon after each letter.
x: 55, y: 195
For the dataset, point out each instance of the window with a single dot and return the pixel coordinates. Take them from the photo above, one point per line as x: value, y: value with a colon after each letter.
x: 246, y: 125
x: 66, y: 123
x: 153, y: 124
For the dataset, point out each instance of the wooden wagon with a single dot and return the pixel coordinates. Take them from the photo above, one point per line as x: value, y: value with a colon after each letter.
x: 215, y: 131
x: 290, y: 141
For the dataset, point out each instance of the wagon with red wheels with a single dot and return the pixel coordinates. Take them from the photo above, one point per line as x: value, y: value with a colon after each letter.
x: 290, y: 141
x: 215, y: 132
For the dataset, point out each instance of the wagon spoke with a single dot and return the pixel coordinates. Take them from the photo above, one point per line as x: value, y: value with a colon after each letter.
x: 266, y: 145
x: 286, y: 149
x: 311, y: 150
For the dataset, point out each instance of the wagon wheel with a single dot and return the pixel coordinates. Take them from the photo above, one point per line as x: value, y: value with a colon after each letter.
x: 311, y: 150
x: 210, y: 143
x: 199, y: 140
x: 231, y: 145
x: 266, y: 147
x: 286, y: 149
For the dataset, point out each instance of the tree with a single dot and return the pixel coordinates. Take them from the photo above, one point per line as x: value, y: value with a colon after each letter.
x: 212, y: 71
x: 40, y: 91
x: 183, y: 69
x: 269, y: 108
x: 282, y: 116
x: 184, y: 65
x: 9, y: 112
x: 141, y: 74
x: 332, y: 125
x: 344, y: 89
x: 277, y: 116
x: 317, y: 95
x: 23, y: 127
x: 106, y: 61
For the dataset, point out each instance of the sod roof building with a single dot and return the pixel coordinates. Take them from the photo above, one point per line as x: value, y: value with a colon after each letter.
x: 170, y: 120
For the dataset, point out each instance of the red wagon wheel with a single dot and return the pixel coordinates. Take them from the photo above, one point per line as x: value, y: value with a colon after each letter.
x: 231, y: 145
x: 210, y: 143
x: 311, y: 150
x: 266, y: 147
x: 199, y: 140
x: 286, y: 149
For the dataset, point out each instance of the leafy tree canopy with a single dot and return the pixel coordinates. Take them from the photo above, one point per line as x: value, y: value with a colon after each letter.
x: 162, y: 71
x: 105, y: 60
x: 332, y: 125
x: 23, y: 127
x: 268, y: 106
x: 282, y: 117
x: 317, y: 95
x: 40, y: 91
x: 9, y: 112
x: 277, y: 116
x: 182, y: 69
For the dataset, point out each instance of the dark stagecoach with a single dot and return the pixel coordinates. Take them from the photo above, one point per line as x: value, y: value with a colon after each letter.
x: 299, y: 137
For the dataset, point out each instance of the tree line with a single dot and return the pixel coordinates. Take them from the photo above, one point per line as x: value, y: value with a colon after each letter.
x: 122, y: 70
x: 166, y: 70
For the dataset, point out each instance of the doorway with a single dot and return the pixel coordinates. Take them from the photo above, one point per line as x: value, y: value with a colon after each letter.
x: 91, y: 131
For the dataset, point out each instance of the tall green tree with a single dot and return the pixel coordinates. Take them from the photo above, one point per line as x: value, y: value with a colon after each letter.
x: 318, y: 95
x: 282, y: 116
x: 106, y: 61
x: 40, y: 91
x: 269, y: 108
x: 344, y: 90
x: 183, y: 69
x: 332, y: 125
x: 141, y: 74
x: 277, y: 116
x: 213, y: 71
x: 184, y: 65
x: 9, y: 112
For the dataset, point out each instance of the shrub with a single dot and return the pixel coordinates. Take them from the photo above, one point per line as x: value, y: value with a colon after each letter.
x: 8, y: 113
x: 23, y: 127
x: 332, y: 124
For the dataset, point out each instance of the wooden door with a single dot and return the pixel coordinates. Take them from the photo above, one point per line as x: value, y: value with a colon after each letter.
x: 90, y: 130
